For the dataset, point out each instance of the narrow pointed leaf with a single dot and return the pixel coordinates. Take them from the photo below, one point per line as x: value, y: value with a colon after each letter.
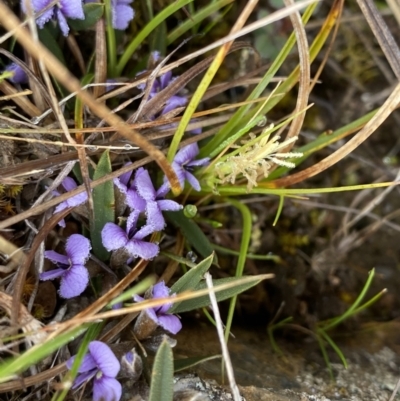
x: 203, y: 301
x: 191, y: 279
x: 103, y: 204
x: 162, y: 375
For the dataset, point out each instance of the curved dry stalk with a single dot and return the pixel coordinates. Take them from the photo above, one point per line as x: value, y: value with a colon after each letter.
x: 382, y: 34
x: 304, y: 77
x: 37, y: 50
x: 383, y: 113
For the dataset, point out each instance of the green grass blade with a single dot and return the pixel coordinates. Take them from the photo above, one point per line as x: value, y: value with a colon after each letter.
x: 244, y: 248
x: 145, y: 32
x: 196, y: 18
x: 11, y: 367
x: 334, y: 347
x: 334, y: 322
x: 187, y: 363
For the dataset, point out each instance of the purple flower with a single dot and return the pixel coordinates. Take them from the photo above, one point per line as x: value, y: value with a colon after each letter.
x: 19, y: 76
x: 69, y: 184
x: 102, y: 365
x: 183, y: 164
x: 64, y: 9
x: 159, y: 314
x: 114, y: 237
x: 71, y: 268
x: 154, y: 205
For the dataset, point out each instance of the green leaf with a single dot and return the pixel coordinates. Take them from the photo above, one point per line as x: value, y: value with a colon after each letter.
x: 186, y: 363
x: 47, y: 38
x: 204, y: 300
x: 192, y: 232
x: 103, y: 204
x: 93, y: 12
x: 33, y: 355
x: 162, y: 375
x: 191, y: 279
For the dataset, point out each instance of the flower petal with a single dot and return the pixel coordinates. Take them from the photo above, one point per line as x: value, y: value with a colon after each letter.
x: 122, y: 15
x: 170, y: 323
x: 163, y: 190
x: 56, y: 257
x: 20, y: 76
x: 37, y: 6
x: 113, y: 237
x: 62, y: 22
x: 72, y: 9
x: 173, y: 103
x: 106, y: 389
x: 155, y: 219
x: 74, y: 282
x: 51, y: 274
x: 83, y: 377
x: 142, y: 249
x: 193, y: 181
x: 144, y: 185
x: 78, y: 249
x: 105, y: 359
x: 180, y: 173
x: 124, y: 178
x: 165, y: 79
x: 187, y: 154
x: 88, y: 363
x: 69, y: 184
x: 135, y: 201
x: 160, y: 290
x: 169, y: 205
x: 200, y: 162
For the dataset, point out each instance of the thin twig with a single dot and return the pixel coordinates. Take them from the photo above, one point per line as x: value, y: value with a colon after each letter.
x: 224, y: 348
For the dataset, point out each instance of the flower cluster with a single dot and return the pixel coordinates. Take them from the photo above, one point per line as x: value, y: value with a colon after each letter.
x: 141, y: 197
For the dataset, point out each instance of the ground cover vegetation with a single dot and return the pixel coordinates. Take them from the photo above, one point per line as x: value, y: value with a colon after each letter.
x: 148, y: 152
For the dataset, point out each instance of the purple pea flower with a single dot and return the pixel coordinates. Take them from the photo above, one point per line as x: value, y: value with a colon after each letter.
x: 19, y: 77
x: 71, y: 267
x: 154, y: 205
x: 64, y: 9
x: 114, y: 237
x: 159, y: 314
x: 183, y: 164
x: 69, y: 184
x: 102, y: 365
